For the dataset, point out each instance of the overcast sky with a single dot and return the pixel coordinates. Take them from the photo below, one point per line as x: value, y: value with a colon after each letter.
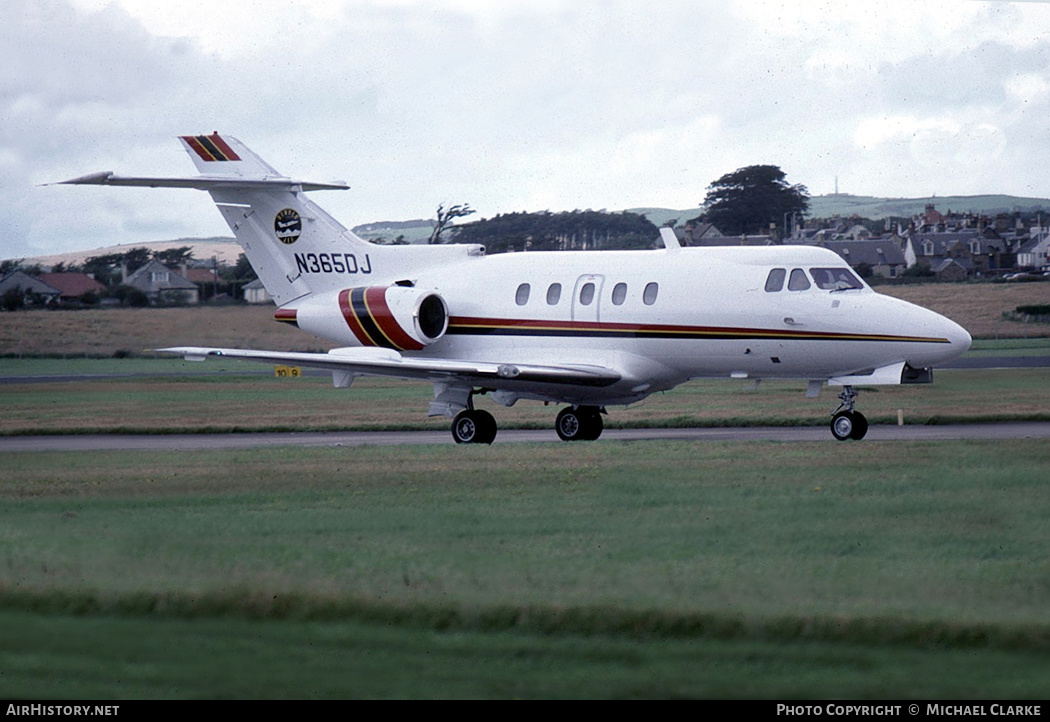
x: 510, y: 106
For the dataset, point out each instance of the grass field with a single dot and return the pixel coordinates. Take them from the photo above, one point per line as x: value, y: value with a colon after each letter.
x: 604, y: 570
x: 231, y: 400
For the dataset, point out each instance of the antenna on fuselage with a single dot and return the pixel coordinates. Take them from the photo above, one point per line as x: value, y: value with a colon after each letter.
x: 670, y: 239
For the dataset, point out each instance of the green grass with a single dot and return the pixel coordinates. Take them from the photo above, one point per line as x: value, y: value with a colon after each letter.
x: 608, y: 570
x: 1013, y: 347
x: 232, y: 400
x: 62, y: 657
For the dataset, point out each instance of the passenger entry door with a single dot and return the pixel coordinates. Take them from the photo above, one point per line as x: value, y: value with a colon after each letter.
x: 586, y: 298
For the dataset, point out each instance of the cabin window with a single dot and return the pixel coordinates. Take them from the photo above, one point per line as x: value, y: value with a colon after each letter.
x: 798, y: 280
x: 553, y: 294
x: 775, y: 280
x: 587, y: 294
x: 522, y: 296
x: 619, y: 294
x: 649, y: 294
x: 834, y: 279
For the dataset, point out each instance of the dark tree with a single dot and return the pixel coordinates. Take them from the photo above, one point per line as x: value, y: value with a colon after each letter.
x: 444, y: 216
x: 748, y: 200
x: 136, y: 258
x: 174, y: 256
x: 567, y: 230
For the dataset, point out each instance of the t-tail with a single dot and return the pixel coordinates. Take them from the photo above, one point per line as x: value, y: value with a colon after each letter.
x: 295, y: 247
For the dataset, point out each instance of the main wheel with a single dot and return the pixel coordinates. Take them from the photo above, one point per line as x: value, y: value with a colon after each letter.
x: 569, y: 424
x: 593, y: 424
x: 583, y: 423
x: 860, y: 426
x: 844, y: 425
x: 474, y: 427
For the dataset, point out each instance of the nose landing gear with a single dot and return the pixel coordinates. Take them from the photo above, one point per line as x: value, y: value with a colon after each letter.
x: 847, y: 423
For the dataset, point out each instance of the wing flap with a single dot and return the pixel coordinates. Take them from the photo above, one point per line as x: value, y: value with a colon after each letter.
x: 384, y: 362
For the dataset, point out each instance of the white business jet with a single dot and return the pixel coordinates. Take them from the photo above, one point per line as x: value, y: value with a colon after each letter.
x: 584, y: 329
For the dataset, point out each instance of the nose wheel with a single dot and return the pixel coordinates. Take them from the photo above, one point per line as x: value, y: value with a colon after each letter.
x: 847, y: 423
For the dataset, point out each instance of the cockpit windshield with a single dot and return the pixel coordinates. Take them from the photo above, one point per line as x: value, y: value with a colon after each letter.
x: 835, y: 279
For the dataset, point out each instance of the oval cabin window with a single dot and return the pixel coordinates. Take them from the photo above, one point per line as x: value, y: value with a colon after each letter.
x: 553, y: 294
x: 586, y: 294
x: 649, y: 294
x: 522, y: 296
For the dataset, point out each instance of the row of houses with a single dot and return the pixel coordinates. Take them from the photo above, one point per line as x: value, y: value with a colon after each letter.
x: 949, y: 252
x: 160, y: 284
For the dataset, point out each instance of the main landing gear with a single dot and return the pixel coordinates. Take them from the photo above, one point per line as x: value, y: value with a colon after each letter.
x: 847, y: 423
x: 574, y: 423
x: 579, y: 423
x: 474, y: 426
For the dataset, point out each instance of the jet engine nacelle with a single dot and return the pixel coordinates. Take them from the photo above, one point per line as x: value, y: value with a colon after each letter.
x: 395, y: 317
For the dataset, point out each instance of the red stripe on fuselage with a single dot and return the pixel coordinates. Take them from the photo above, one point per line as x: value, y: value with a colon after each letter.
x: 469, y: 324
x: 286, y: 315
x: 375, y: 301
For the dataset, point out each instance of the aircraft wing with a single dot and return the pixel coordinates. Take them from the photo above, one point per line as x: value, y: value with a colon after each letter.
x: 385, y: 362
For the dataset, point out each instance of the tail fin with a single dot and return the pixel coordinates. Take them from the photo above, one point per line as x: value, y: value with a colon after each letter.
x: 294, y: 246
x: 215, y: 155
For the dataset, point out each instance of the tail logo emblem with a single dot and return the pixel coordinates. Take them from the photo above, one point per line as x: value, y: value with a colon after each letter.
x: 288, y: 226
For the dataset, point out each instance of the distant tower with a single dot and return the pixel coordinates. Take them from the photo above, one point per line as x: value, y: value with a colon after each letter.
x: 836, y: 185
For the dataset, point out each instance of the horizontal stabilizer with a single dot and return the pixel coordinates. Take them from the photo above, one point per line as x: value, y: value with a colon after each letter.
x: 204, y: 182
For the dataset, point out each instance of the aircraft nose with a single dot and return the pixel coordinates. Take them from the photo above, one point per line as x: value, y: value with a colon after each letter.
x: 936, y: 326
x: 959, y: 338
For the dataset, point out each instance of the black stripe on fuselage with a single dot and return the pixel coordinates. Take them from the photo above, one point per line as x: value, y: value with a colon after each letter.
x: 691, y: 335
x: 364, y: 317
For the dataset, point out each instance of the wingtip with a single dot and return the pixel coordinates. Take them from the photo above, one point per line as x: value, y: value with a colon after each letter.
x: 100, y: 178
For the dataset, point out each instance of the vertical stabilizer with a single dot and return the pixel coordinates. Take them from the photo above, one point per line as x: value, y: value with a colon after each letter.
x: 295, y: 247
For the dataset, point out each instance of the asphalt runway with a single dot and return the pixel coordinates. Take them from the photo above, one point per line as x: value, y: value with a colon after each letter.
x: 198, y: 442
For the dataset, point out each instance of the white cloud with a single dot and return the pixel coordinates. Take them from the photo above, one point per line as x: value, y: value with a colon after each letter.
x: 512, y: 105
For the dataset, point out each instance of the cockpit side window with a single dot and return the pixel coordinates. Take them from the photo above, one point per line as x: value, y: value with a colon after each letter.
x: 798, y: 280
x: 775, y: 280
x: 835, y: 279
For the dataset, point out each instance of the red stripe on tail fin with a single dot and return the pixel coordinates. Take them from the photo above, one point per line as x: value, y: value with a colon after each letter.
x: 211, y: 147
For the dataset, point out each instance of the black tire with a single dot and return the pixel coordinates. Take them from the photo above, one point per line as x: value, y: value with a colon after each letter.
x: 594, y: 424
x: 486, y: 422
x: 474, y: 427
x: 860, y: 426
x: 464, y: 428
x: 570, y: 424
x: 583, y: 423
x: 842, y: 425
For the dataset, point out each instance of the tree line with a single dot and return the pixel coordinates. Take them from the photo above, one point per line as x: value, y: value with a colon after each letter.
x: 567, y: 230
x: 749, y: 200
